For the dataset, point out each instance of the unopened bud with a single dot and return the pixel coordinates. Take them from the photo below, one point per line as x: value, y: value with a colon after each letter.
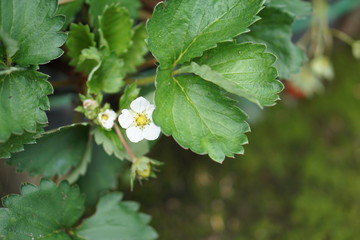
x: 90, y: 104
x: 322, y: 68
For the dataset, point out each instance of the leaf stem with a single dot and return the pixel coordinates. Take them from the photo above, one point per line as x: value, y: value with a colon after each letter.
x: 122, y: 139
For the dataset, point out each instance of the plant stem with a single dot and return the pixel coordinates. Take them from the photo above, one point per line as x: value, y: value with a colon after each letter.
x: 122, y: 139
x: 342, y: 36
x: 64, y: 1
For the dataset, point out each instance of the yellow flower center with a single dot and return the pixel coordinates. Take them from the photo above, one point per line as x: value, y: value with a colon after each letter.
x: 104, y: 117
x: 141, y: 120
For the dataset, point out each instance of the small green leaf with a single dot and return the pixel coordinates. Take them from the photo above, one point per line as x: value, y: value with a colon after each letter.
x: 274, y: 30
x: 16, y: 142
x: 70, y: 9
x: 10, y: 45
x: 35, y: 27
x: 97, y: 8
x: 80, y: 38
x: 198, y: 115
x: 23, y: 100
x: 116, y: 29
x: 101, y: 175
x: 55, y: 152
x: 296, y: 8
x: 110, y: 142
x: 130, y: 94
x: 242, y: 69
x: 113, y: 219
x: 107, y: 76
x: 180, y: 30
x: 135, y: 53
x: 42, y: 212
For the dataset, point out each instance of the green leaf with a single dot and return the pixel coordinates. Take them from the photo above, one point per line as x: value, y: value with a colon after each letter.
x: 114, y: 220
x: 242, y: 69
x: 80, y: 38
x: 9, y: 44
x: 70, y: 9
x: 101, y: 175
x: 55, y: 152
x: 296, y: 8
x: 199, y: 116
x: 183, y: 29
x: 135, y: 53
x: 35, y: 27
x: 42, y: 212
x: 22, y: 101
x: 274, y: 30
x: 130, y: 94
x: 110, y: 142
x: 97, y: 8
x: 107, y: 76
x: 116, y: 29
x: 16, y: 142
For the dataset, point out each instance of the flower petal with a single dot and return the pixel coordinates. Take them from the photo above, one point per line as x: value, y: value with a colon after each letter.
x: 151, y: 132
x: 149, y: 111
x: 134, y: 134
x: 108, y: 124
x: 139, y: 105
x: 111, y: 114
x: 126, y: 118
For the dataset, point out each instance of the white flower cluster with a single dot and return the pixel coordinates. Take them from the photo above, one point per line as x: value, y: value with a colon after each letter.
x: 137, y: 120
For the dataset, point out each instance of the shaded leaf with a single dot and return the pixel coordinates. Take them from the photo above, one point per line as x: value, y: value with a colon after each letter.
x: 125, y: 221
x: 242, y: 69
x: 41, y: 212
x: 135, y: 53
x: 116, y: 29
x: 101, y: 175
x: 97, y: 8
x: 80, y: 38
x: 9, y: 45
x: 180, y: 30
x: 110, y: 142
x: 23, y: 100
x: 130, y: 94
x: 55, y: 153
x: 70, y: 9
x: 296, y: 8
x: 274, y: 30
x: 35, y: 27
x: 198, y: 115
x: 107, y: 76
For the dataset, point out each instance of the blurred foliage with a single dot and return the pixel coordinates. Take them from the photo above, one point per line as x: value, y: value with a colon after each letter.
x: 299, y: 179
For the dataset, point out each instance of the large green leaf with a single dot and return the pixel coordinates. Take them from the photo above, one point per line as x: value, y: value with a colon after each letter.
x: 55, y: 152
x: 116, y: 29
x: 22, y: 101
x: 296, y: 8
x: 135, y: 53
x: 107, y: 76
x: 33, y: 24
x: 274, y: 30
x: 199, y: 116
x: 42, y: 212
x: 97, y: 8
x: 242, y: 69
x: 16, y: 142
x: 80, y: 38
x: 116, y: 220
x: 101, y: 175
x: 183, y: 29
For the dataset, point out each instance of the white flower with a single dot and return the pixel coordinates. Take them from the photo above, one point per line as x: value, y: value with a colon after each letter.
x: 107, y: 118
x: 138, y: 121
x: 322, y: 68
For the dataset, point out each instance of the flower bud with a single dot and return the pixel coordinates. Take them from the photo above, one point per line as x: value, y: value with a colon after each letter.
x: 142, y: 168
x: 322, y: 68
x: 90, y: 104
